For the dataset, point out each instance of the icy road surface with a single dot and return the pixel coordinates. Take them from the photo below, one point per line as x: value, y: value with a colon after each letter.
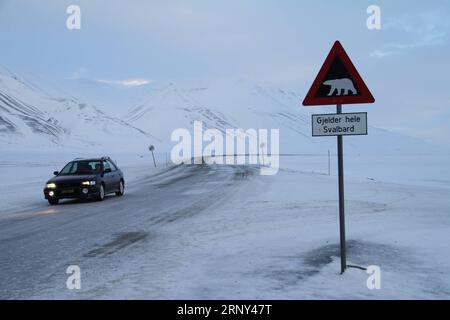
x: 201, y: 232
x: 40, y: 241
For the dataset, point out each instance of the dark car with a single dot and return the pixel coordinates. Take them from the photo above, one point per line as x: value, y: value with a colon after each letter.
x: 86, y: 179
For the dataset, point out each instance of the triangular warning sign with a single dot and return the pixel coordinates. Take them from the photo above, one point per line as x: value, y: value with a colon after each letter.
x: 338, y: 82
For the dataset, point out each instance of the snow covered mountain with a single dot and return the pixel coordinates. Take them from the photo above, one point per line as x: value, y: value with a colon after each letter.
x: 244, y: 104
x: 34, y: 118
x: 19, y: 118
x: 223, y: 105
x: 116, y: 98
x: 170, y: 108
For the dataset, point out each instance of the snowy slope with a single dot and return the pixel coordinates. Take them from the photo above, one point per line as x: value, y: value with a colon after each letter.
x: 31, y: 117
x: 34, y: 117
x: 244, y: 104
x: 113, y: 98
x: 18, y: 117
x: 169, y: 108
x: 241, y: 105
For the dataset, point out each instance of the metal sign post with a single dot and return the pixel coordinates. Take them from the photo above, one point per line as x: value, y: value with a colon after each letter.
x: 329, y: 163
x: 340, y: 150
x: 340, y: 124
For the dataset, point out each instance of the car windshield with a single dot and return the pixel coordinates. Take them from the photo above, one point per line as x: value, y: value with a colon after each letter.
x: 82, y: 167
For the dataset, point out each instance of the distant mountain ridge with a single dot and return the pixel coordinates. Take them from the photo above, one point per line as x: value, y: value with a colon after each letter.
x: 35, y: 118
x: 31, y: 118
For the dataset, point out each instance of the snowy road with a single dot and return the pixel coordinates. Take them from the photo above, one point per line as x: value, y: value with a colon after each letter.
x: 39, y: 242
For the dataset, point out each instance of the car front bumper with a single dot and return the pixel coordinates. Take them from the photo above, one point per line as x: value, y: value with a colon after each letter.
x: 84, y: 192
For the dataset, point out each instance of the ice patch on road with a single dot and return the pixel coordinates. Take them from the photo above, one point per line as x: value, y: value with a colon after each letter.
x: 120, y: 241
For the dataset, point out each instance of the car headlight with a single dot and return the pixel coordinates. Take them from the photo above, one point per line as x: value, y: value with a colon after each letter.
x: 51, y: 185
x: 88, y: 183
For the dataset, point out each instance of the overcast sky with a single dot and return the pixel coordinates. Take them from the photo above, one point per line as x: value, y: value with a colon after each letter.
x: 406, y: 64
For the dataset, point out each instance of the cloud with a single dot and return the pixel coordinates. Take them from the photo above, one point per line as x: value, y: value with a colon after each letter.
x: 79, y: 73
x: 380, y: 53
x: 415, y: 31
x: 82, y: 73
x: 419, y: 23
x: 126, y: 83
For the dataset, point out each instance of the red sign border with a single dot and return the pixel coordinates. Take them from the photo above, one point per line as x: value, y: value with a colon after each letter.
x: 365, y: 97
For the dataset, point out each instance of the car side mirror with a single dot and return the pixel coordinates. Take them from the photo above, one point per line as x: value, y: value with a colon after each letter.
x: 107, y: 170
x: 55, y: 173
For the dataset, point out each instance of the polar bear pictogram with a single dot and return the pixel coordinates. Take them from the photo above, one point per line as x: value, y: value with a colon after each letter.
x: 342, y: 86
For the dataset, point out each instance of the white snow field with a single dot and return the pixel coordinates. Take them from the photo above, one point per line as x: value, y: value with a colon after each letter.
x: 205, y: 232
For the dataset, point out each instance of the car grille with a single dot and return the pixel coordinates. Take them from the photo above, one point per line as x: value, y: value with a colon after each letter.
x: 68, y: 185
x: 68, y: 191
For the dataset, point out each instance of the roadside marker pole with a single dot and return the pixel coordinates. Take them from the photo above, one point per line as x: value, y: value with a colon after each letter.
x: 154, y: 161
x: 340, y: 150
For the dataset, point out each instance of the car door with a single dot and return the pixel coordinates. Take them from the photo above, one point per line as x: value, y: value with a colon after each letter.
x: 115, y: 177
x: 108, y: 177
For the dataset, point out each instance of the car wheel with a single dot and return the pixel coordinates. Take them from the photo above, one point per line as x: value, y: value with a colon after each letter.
x: 101, y: 193
x: 121, y: 189
x: 53, y: 201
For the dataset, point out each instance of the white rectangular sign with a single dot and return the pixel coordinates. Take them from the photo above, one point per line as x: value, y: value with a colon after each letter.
x: 343, y: 124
